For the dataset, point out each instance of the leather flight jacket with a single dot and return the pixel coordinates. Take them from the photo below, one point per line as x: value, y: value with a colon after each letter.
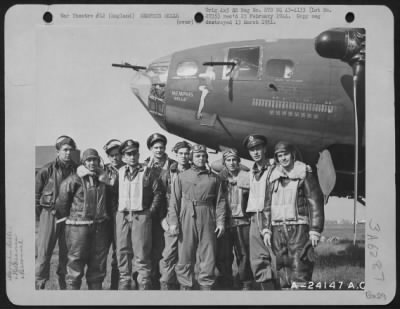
x: 309, y: 204
x: 82, y: 201
x: 48, y: 181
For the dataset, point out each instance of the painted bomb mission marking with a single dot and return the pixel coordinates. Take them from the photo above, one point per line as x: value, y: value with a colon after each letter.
x: 294, y: 109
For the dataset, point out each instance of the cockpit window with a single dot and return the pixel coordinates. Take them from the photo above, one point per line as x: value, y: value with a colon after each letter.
x: 158, y: 72
x: 186, y: 69
x: 247, y: 63
x: 282, y: 68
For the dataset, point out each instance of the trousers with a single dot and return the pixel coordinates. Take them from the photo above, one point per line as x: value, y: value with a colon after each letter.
x: 288, y: 243
x: 234, y: 241
x: 158, y: 245
x: 169, y: 259
x: 49, y: 234
x: 88, y: 245
x: 260, y: 258
x: 134, y: 234
x: 114, y: 260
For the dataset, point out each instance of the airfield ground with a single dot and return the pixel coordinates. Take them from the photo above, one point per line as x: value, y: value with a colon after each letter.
x: 337, y: 259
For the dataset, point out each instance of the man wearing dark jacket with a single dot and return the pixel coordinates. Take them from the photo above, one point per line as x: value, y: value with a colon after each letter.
x: 161, y: 163
x: 112, y: 150
x: 140, y: 196
x: 48, y: 181
x: 236, y: 237
x: 82, y: 201
x: 294, y: 216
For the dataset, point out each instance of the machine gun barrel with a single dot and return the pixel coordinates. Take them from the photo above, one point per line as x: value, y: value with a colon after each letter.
x: 129, y: 66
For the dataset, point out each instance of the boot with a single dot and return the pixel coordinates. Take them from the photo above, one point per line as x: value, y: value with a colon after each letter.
x: 267, y: 285
x: 164, y: 286
x: 205, y: 287
x: 61, y: 283
x: 125, y: 285
x: 135, y: 284
x: 73, y: 286
x: 95, y: 286
x: 246, y: 286
x: 144, y: 286
x: 114, y: 279
x: 40, y: 285
x: 185, y: 288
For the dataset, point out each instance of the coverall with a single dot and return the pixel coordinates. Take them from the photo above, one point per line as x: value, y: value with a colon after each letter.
x: 197, y: 205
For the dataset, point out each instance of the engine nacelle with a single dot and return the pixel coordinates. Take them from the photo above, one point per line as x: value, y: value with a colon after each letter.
x: 345, y: 44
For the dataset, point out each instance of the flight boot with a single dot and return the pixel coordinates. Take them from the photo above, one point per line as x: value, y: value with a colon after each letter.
x: 247, y: 286
x: 205, y: 287
x: 124, y: 285
x: 114, y: 279
x: 95, y: 286
x: 267, y: 285
x: 186, y: 288
x: 61, y: 283
x: 144, y: 286
x: 40, y: 285
x: 73, y: 286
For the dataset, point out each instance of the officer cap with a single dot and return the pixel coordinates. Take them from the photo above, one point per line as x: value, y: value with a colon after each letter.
x: 128, y: 145
x: 90, y: 153
x: 180, y: 145
x: 254, y: 140
x: 111, y: 144
x: 65, y: 140
x: 230, y: 153
x: 156, y: 137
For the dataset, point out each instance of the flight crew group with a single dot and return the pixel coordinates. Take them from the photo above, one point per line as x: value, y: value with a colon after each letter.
x: 163, y: 217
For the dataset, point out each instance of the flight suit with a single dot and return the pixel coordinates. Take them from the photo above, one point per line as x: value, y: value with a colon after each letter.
x: 293, y: 212
x: 140, y: 196
x: 83, y: 201
x: 47, y: 185
x: 260, y: 258
x: 236, y: 236
x: 197, y: 205
x: 169, y: 259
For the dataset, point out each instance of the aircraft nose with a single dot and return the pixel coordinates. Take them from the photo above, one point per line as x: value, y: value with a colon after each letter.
x: 141, y: 86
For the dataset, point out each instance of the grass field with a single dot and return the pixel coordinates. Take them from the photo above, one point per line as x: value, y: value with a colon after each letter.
x: 341, y: 261
x: 338, y: 261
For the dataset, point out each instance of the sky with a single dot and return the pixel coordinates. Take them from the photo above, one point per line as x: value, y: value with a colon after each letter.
x: 79, y: 93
